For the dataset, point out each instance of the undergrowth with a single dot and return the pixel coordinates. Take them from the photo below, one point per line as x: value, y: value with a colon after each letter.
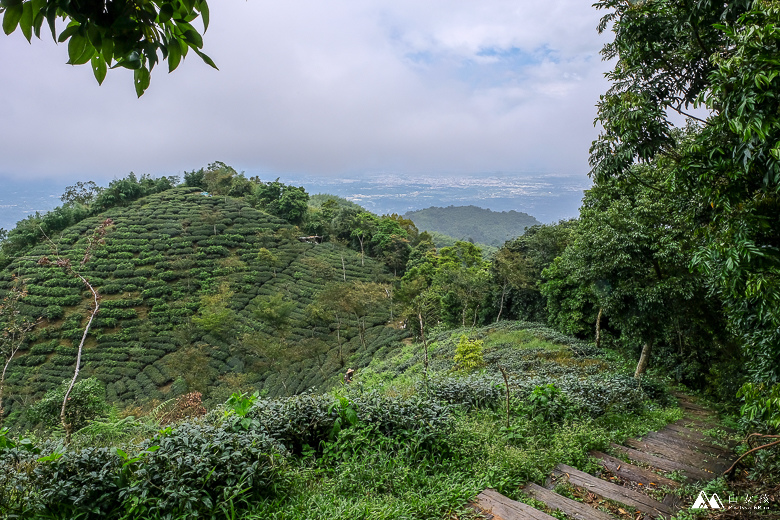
x: 391, y: 445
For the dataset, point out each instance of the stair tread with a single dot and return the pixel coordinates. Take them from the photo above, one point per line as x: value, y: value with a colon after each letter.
x: 612, y: 491
x: 572, y: 508
x: 503, y: 508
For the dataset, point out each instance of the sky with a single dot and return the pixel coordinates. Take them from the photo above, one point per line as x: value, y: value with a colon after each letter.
x: 336, y: 87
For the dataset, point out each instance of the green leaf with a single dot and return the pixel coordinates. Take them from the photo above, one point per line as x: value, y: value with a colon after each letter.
x: 132, y: 61
x: 166, y: 13
x: 51, y: 18
x: 69, y: 31
x: 204, y: 12
x: 76, y: 47
x: 26, y: 21
x: 141, y: 79
x: 351, y: 415
x: 82, y: 44
x: 193, y: 38
x: 206, y: 59
x: 99, y: 68
x: 38, y: 23
x: 174, y: 55
x: 95, y: 35
x: 107, y: 50
x: 11, y: 19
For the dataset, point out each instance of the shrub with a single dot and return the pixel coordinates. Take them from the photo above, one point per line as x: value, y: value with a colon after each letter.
x: 87, y: 401
x: 199, y: 469
x: 468, y: 354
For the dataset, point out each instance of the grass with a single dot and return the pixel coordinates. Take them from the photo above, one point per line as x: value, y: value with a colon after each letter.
x: 363, y: 474
x: 385, y: 481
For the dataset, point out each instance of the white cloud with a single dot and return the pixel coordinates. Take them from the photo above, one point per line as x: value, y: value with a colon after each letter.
x: 323, y: 87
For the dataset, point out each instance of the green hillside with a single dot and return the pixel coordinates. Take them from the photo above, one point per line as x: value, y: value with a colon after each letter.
x: 198, y: 293
x: 472, y: 223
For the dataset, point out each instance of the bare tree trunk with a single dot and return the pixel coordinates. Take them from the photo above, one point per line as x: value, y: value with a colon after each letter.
x: 11, y: 355
x: 506, y: 392
x: 644, y: 359
x: 598, y: 328
x: 2, y: 386
x: 501, y: 305
x: 361, y: 250
x: 338, y: 338
x: 343, y: 268
x: 66, y: 425
x: 425, y: 343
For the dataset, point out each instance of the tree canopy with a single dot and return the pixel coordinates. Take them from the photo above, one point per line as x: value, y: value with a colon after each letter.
x: 672, y: 55
x: 115, y: 33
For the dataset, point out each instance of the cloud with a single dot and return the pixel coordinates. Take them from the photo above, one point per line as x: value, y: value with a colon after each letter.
x: 323, y: 87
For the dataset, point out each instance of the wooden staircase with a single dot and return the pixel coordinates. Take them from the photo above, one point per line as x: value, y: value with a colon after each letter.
x: 679, y: 447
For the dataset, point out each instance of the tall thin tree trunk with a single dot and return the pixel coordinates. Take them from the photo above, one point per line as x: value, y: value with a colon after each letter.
x: 501, y: 305
x: 338, y: 338
x: 644, y: 359
x: 2, y: 386
x: 425, y: 343
x: 65, y: 424
x: 343, y: 268
x: 598, y: 328
x: 506, y: 392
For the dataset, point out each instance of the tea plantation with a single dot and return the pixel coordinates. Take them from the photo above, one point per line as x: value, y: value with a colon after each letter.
x: 199, y: 293
x: 393, y: 444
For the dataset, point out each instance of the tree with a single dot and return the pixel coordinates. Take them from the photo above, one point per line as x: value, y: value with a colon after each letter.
x: 274, y: 312
x: 115, y: 33
x: 723, y: 56
x: 631, y: 258
x: 517, y: 268
x: 214, y: 314
x: 14, y: 329
x: 508, y: 270
x: 362, y: 227
x: 81, y: 193
x: 285, y: 201
x: 268, y: 258
x: 97, y: 239
x: 86, y: 401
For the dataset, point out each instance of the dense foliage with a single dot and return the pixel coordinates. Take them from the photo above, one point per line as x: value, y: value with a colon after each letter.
x: 116, y: 33
x: 186, y: 282
x: 408, y: 446
x: 673, y: 54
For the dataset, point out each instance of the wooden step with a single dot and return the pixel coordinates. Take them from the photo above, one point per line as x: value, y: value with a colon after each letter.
x: 690, y: 405
x: 502, y: 508
x: 634, y: 473
x: 697, y: 435
x: 697, y: 424
x: 679, y: 439
x: 663, y: 464
x: 612, y: 491
x: 690, y: 457
x: 572, y: 508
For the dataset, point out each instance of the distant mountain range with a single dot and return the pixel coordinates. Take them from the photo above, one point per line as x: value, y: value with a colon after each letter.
x: 472, y: 223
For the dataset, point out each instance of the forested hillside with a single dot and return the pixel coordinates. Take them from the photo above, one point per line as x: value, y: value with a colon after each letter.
x: 197, y: 294
x: 473, y: 224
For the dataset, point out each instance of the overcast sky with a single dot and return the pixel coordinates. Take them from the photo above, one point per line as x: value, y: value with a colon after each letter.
x: 322, y: 87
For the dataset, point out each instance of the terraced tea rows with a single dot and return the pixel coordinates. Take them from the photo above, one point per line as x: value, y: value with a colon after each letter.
x: 181, y: 277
